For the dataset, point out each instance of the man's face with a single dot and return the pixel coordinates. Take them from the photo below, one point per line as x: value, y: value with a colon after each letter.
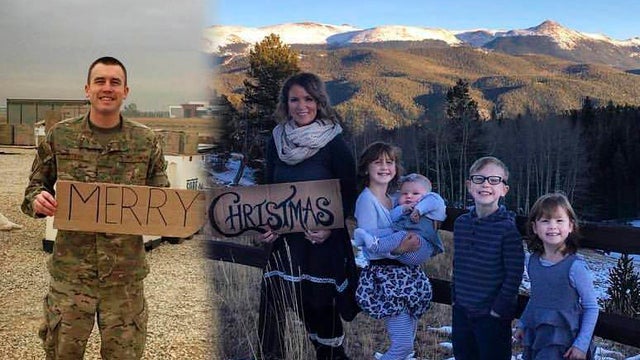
x: 106, y: 89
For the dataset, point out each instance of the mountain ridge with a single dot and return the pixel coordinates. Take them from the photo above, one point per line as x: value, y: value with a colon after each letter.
x: 548, y: 37
x: 310, y: 29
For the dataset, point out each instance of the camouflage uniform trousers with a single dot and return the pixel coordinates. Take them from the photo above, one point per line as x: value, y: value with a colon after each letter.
x: 70, y: 310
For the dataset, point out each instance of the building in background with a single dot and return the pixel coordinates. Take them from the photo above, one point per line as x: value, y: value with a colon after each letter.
x: 176, y: 111
x: 30, y: 111
x: 26, y: 120
x: 191, y: 109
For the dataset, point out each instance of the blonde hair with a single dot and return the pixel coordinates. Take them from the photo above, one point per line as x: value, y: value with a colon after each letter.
x: 484, y: 161
x: 416, y: 178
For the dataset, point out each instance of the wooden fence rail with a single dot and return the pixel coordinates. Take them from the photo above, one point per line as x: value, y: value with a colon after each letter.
x: 622, y: 239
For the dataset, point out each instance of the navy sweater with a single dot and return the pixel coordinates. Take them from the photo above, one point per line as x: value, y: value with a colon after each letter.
x: 488, y: 263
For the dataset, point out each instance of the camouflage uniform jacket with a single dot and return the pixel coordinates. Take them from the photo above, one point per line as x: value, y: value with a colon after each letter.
x: 70, y: 152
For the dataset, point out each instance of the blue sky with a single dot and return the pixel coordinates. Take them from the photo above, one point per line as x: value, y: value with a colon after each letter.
x: 618, y: 19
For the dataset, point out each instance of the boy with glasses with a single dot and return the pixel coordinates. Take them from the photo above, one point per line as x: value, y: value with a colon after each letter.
x: 487, y: 267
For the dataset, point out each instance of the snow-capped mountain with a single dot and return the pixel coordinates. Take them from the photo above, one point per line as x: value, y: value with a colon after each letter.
x: 548, y: 38
x: 316, y: 33
x: 629, y: 42
x: 395, y: 33
x: 565, y: 38
x: 551, y: 38
x: 479, y: 37
x: 297, y: 33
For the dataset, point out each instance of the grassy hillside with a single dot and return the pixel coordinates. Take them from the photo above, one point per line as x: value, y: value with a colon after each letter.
x: 396, y: 85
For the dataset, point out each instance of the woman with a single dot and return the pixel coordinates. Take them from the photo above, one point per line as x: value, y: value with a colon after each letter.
x: 313, y: 272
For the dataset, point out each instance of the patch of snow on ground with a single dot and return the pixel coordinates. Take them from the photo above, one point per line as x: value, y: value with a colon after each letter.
x: 603, y: 354
x: 229, y: 170
x: 445, y: 330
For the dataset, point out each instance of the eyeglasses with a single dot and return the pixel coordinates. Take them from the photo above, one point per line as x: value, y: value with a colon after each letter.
x: 493, y: 180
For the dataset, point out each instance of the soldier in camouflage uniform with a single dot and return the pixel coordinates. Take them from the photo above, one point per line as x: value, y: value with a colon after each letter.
x: 95, y: 274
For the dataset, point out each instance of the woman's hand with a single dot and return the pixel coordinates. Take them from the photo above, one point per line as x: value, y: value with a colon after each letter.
x: 410, y: 243
x: 268, y: 236
x: 317, y: 236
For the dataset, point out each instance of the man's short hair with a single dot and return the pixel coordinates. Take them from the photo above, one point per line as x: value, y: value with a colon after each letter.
x: 107, y: 60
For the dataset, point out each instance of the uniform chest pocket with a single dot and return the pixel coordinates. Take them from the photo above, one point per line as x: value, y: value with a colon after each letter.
x: 131, y: 169
x: 76, y: 166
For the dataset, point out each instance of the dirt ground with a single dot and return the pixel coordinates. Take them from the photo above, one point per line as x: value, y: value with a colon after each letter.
x: 181, y: 313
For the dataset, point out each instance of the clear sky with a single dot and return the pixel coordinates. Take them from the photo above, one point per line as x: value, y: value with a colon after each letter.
x: 46, y: 48
x: 618, y: 19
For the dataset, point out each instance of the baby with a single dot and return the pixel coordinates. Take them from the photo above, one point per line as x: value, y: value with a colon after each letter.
x: 418, y: 210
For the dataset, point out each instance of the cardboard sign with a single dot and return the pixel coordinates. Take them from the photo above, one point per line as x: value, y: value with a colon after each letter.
x: 128, y: 209
x: 286, y: 208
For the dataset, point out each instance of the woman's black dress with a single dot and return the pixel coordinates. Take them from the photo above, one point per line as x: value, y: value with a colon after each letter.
x: 318, y: 278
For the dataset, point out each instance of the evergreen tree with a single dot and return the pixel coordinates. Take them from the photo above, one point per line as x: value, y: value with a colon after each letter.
x: 460, y: 105
x: 624, y: 289
x: 271, y: 62
x: 233, y: 124
x: 465, y: 129
x: 588, y: 112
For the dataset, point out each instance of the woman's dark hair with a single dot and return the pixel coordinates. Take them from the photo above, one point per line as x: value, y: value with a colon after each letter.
x: 547, y: 206
x: 315, y: 87
x: 371, y: 154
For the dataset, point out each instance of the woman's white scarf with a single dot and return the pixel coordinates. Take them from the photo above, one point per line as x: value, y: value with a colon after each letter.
x: 295, y: 144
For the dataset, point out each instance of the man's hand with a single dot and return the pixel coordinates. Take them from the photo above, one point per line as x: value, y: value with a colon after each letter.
x: 410, y: 243
x: 45, y: 204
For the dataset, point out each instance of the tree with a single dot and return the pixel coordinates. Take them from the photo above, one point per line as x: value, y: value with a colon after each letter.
x: 624, y: 289
x: 465, y: 127
x: 232, y: 123
x: 130, y: 110
x: 271, y: 62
